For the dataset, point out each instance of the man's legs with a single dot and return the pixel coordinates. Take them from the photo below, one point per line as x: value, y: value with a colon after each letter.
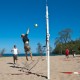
x: 16, y: 59
x: 13, y: 59
x: 25, y: 49
x: 30, y: 54
x: 26, y: 56
x: 67, y: 56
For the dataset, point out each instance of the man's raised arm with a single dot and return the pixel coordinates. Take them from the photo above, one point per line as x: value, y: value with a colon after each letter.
x: 27, y: 31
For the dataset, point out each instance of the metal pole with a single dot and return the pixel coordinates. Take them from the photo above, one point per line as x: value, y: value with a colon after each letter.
x: 47, y: 42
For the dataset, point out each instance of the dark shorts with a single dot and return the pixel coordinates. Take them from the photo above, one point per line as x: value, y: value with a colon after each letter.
x: 67, y: 54
x: 26, y: 48
x: 15, y: 57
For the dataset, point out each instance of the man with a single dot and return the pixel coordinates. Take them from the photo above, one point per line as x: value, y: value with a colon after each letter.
x: 73, y: 53
x: 26, y: 44
x: 67, y: 53
x: 15, y: 53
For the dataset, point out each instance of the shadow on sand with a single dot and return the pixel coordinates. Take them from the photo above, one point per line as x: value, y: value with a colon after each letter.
x: 25, y: 72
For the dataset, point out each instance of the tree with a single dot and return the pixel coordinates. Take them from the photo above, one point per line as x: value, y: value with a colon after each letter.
x: 62, y: 40
x: 2, y: 51
x: 65, y: 35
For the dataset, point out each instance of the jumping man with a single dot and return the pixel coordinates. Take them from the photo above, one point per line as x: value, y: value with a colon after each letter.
x: 26, y: 44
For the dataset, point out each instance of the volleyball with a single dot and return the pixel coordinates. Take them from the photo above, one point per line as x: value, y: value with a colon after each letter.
x: 35, y: 25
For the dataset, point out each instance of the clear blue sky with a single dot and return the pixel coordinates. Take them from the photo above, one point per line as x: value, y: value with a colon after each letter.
x: 17, y: 15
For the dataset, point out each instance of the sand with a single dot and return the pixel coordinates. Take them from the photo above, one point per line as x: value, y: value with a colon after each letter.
x: 37, y: 69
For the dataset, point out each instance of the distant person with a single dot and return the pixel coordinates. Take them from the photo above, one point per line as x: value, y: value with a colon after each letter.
x: 26, y: 44
x: 73, y: 53
x: 67, y: 53
x: 15, y: 52
x: 41, y: 53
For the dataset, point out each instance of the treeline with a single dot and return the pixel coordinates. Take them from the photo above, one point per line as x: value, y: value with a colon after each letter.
x: 64, y: 41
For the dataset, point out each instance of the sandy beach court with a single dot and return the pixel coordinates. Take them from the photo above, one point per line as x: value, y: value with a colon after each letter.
x: 37, y: 69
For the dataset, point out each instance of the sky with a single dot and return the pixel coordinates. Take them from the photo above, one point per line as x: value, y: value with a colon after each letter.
x: 16, y: 16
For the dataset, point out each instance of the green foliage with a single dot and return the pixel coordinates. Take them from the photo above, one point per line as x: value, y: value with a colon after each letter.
x: 72, y: 45
x: 64, y: 41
